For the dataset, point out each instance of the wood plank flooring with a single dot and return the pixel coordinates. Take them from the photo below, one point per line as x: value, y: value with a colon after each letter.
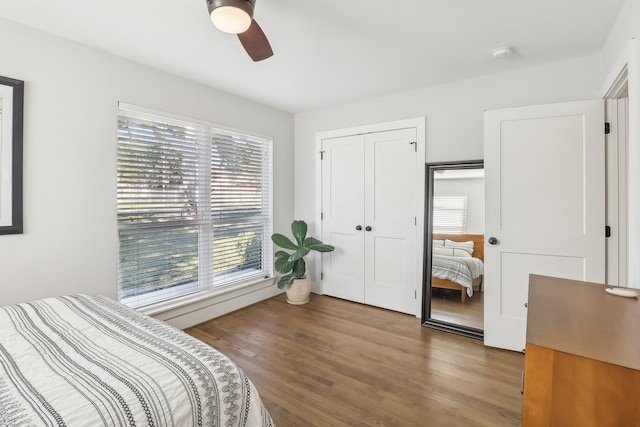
x: 446, y: 306
x: 336, y: 363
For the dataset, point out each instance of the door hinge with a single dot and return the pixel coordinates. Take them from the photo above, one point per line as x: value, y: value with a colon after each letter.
x: 607, y: 128
x: 415, y: 294
x: 415, y: 146
x: 415, y: 220
x: 321, y: 276
x: 607, y: 231
x: 321, y: 155
x: 321, y: 216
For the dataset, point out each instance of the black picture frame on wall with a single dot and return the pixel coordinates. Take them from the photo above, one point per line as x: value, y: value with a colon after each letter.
x: 11, y: 146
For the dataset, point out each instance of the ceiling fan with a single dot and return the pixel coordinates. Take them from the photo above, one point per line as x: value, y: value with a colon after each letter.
x: 236, y: 17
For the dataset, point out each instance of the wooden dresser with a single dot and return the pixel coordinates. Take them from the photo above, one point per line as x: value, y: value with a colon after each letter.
x: 582, y: 361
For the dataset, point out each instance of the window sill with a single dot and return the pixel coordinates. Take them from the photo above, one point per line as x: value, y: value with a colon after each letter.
x: 207, y: 304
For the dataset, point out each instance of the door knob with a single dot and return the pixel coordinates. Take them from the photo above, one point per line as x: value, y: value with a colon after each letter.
x: 493, y: 241
x: 368, y: 228
x: 358, y: 227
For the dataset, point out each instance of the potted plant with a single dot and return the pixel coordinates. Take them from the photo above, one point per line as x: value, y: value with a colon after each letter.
x: 292, y: 265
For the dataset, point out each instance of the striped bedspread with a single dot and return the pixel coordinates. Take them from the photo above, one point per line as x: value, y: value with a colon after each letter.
x: 460, y: 270
x: 89, y: 361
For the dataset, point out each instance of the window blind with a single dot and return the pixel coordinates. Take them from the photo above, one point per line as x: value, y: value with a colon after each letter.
x: 450, y: 214
x: 194, y: 207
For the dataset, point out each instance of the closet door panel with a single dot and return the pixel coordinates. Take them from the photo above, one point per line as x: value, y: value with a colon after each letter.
x: 343, y: 212
x: 390, y: 211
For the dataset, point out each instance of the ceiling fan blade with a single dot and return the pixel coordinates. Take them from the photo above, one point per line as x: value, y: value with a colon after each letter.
x: 255, y: 42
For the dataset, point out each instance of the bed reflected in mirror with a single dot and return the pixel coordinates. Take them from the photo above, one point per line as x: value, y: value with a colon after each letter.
x: 454, y: 261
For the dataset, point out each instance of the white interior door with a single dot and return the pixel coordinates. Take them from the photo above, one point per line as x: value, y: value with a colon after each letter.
x: 390, y: 215
x: 343, y: 213
x: 545, y: 205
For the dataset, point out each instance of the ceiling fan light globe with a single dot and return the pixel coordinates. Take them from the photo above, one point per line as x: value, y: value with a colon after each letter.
x: 231, y: 19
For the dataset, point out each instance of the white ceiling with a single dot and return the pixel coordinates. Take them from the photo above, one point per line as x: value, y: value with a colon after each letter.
x: 329, y: 52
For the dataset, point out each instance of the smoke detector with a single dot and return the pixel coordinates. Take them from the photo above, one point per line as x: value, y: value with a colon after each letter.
x: 501, y: 52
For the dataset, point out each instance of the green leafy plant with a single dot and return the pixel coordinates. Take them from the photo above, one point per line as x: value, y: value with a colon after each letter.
x: 292, y: 265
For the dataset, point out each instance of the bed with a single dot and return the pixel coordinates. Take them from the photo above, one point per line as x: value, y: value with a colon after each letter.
x: 84, y: 360
x: 462, y: 273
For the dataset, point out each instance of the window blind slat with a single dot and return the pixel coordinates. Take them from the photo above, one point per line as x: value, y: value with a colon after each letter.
x: 450, y: 214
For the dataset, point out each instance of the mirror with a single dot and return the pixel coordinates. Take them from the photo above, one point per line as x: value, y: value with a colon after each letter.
x: 11, y: 112
x: 454, y: 248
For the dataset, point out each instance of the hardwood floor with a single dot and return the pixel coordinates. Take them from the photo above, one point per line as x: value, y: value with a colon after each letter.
x: 336, y: 363
x: 446, y: 306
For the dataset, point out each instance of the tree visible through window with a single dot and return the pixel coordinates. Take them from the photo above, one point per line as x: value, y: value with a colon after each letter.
x: 194, y: 207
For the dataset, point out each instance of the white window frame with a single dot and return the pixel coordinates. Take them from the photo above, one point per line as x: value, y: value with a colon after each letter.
x: 207, y: 281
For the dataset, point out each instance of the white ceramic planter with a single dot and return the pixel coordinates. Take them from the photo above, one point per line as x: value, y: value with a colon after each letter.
x: 299, y: 291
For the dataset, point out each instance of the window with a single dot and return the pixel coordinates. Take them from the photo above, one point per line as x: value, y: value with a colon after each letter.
x: 194, y: 207
x: 449, y: 214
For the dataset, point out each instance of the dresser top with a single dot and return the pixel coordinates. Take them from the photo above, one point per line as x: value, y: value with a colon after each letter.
x: 581, y: 318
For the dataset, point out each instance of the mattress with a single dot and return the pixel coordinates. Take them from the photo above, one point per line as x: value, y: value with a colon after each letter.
x: 460, y: 270
x: 88, y: 361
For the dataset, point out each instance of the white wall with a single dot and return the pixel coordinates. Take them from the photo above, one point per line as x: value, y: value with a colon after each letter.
x: 454, y: 112
x: 473, y: 188
x: 72, y: 91
x: 626, y: 27
x: 623, y: 47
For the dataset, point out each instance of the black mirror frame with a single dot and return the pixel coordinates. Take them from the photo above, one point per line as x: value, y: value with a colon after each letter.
x: 16, y: 196
x: 427, y: 320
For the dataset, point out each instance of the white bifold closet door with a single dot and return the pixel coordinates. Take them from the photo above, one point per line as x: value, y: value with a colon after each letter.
x: 369, y: 210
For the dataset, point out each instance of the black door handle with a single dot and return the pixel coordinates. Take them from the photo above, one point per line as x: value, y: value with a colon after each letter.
x: 368, y: 228
x: 493, y: 241
x: 358, y: 227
